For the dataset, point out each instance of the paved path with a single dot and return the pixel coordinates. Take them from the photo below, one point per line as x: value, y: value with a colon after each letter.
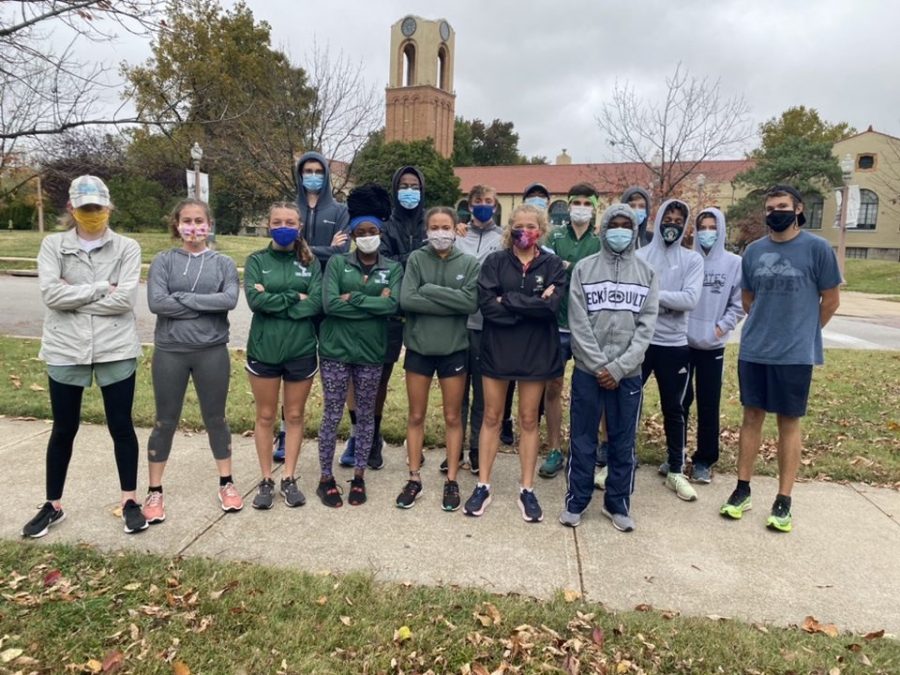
x: 863, y: 322
x: 839, y: 564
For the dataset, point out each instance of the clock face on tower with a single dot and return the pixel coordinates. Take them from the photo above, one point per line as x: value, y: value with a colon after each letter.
x: 445, y: 31
x: 408, y: 27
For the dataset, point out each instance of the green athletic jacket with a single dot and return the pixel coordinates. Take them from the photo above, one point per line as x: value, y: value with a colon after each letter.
x: 282, y: 327
x: 562, y: 241
x: 438, y: 295
x: 355, y: 331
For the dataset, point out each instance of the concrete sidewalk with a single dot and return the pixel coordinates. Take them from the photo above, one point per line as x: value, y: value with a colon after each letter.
x: 839, y: 564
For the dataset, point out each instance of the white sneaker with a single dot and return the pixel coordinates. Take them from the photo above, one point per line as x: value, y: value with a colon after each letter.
x: 679, y: 484
x: 600, y: 477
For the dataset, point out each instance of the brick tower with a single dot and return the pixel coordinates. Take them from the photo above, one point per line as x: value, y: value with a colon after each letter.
x: 419, y: 98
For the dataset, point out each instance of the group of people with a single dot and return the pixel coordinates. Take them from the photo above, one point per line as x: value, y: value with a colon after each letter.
x: 342, y: 288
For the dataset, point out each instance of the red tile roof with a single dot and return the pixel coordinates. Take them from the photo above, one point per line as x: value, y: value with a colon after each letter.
x: 610, y: 178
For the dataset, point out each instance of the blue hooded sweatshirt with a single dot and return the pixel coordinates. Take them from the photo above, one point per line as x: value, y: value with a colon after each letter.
x: 680, y: 275
x: 720, y: 301
x: 326, y: 218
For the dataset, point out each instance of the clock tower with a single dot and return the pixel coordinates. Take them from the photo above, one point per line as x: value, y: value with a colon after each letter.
x: 420, y: 100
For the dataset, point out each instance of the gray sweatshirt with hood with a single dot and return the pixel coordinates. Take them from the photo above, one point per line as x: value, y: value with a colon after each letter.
x: 322, y: 221
x: 191, y: 297
x: 644, y: 237
x: 612, y: 306
x: 480, y: 241
x: 720, y: 301
x: 680, y: 275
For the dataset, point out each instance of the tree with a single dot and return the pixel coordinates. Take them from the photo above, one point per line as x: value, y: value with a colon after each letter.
x: 378, y: 161
x: 695, y: 122
x: 496, y: 144
x: 800, y: 122
x: 463, y: 143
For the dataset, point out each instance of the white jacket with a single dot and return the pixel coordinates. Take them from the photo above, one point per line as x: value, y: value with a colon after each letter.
x: 85, y: 322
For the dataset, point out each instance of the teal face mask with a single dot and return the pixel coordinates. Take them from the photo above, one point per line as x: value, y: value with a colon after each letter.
x: 707, y: 238
x: 619, y: 238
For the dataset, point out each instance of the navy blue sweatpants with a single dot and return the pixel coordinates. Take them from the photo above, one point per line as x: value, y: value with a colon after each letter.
x: 622, y: 406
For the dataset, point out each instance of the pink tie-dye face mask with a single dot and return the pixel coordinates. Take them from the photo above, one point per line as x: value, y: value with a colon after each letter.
x: 193, y: 233
x: 525, y: 239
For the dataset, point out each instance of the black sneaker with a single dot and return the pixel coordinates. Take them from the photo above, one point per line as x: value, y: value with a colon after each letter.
x: 473, y: 461
x: 133, y: 517
x: 265, y: 494
x: 444, y: 468
x: 291, y: 493
x: 330, y: 493
x: 46, y: 518
x: 376, y: 458
x: 451, y: 496
x: 530, y: 507
x: 506, y: 433
x: 478, y: 502
x: 357, y: 491
x: 411, y: 491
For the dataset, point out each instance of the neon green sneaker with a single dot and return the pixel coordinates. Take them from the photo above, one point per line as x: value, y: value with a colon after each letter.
x: 736, y: 505
x: 780, y: 518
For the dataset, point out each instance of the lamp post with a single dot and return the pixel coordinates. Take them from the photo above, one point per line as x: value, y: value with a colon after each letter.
x: 846, y: 175
x: 39, y: 203
x: 196, y: 155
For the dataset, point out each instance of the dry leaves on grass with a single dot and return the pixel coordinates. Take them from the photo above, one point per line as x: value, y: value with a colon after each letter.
x: 812, y: 625
x: 487, y: 615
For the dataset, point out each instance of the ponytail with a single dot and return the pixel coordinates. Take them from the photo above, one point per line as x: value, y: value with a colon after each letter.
x: 301, y: 248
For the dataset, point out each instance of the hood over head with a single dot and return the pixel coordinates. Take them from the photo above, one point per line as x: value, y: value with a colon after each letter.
x: 398, y: 213
x: 657, y: 236
x: 325, y: 196
x: 628, y: 194
x: 719, y: 246
x: 611, y: 212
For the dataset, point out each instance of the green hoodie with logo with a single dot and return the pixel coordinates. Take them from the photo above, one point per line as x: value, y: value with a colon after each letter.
x: 438, y: 295
x: 282, y: 328
x: 355, y: 330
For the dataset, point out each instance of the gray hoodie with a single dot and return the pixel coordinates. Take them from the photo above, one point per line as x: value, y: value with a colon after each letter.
x: 612, y: 306
x: 643, y: 236
x: 720, y: 302
x: 326, y: 218
x: 479, y: 242
x: 680, y: 275
x: 191, y: 297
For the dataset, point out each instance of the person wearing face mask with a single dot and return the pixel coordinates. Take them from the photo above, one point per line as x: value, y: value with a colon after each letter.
x: 790, y: 291
x: 89, y: 277
x: 324, y: 218
x: 680, y: 275
x: 710, y: 323
x: 520, y: 288
x: 483, y: 237
x: 537, y: 195
x: 440, y: 290
x: 571, y: 242
x: 191, y: 289
x: 613, y: 303
x: 283, y: 285
x: 639, y: 200
x: 360, y: 293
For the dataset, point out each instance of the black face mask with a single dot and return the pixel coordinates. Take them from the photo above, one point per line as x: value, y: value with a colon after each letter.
x: 779, y: 221
x: 671, y: 233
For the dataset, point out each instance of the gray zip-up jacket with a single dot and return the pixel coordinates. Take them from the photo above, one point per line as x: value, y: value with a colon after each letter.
x: 720, y: 301
x: 612, y: 306
x: 191, y: 297
x: 479, y: 242
x: 680, y: 276
x: 87, y: 322
x: 322, y: 221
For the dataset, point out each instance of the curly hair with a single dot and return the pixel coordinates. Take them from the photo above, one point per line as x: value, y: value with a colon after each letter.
x: 539, y: 214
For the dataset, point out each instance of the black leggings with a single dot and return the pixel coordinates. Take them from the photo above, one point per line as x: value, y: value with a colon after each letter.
x: 65, y: 401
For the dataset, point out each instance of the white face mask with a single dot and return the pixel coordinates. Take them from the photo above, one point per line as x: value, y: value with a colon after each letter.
x: 580, y: 214
x: 368, y: 244
x: 441, y: 240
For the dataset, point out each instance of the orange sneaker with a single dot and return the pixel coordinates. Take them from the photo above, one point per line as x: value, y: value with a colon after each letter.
x: 230, y: 498
x: 154, y: 508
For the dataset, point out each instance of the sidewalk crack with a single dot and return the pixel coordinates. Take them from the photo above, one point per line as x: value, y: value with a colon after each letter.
x: 862, y: 494
x: 581, y: 588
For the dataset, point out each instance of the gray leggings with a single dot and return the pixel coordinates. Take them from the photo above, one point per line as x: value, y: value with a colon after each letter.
x: 211, y: 370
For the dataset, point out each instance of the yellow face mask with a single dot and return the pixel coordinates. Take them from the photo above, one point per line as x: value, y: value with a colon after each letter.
x: 91, y: 221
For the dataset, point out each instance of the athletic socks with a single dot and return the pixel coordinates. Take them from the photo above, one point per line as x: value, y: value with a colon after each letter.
x: 155, y: 488
x: 783, y: 501
x: 743, y: 488
x: 225, y: 480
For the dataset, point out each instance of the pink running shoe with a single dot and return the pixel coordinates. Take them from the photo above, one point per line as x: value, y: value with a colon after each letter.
x: 230, y: 498
x: 154, y: 508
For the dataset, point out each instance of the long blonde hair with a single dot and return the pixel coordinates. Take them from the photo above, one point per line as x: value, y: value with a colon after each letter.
x: 304, y: 253
x: 540, y: 214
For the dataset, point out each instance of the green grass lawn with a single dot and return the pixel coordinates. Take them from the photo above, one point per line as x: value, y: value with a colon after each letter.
x: 873, y: 276
x: 852, y: 431
x: 73, y: 609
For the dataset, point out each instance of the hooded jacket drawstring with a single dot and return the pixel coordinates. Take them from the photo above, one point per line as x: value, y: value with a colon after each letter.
x: 202, y: 257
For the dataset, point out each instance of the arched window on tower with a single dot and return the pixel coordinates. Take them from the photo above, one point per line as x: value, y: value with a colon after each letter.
x: 409, y: 65
x: 443, y: 75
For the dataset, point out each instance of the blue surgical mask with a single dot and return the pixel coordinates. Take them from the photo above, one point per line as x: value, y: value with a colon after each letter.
x: 707, y: 238
x: 619, y: 238
x: 409, y: 198
x: 483, y: 212
x: 284, y: 236
x: 640, y: 215
x: 313, y: 182
x: 538, y: 202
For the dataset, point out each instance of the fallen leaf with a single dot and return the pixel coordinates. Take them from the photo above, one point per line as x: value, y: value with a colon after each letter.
x: 571, y: 665
x: 483, y: 619
x: 345, y: 620
x: 402, y: 634
x: 874, y: 635
x: 131, y: 587
x: 16, y: 381
x: 180, y: 668
x: 643, y: 607
x: 322, y: 600
x: 812, y: 625
x: 36, y: 387
x: 855, y: 647
x: 8, y: 655
x: 598, y: 637
x: 571, y: 596
x: 94, y: 666
x: 52, y: 578
x: 113, y: 662
x: 247, y: 434
x: 834, y: 671
x: 231, y: 585
x: 493, y: 612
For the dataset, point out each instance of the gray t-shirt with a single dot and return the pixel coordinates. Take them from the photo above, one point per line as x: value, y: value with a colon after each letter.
x: 786, y: 279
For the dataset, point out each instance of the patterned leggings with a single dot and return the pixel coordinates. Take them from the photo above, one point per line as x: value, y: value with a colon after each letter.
x: 335, y: 380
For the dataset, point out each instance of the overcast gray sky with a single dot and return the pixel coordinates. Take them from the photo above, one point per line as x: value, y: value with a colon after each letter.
x: 548, y: 66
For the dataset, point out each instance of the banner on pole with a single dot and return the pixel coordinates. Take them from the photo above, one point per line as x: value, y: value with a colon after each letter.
x: 852, y: 207
x: 204, y: 185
